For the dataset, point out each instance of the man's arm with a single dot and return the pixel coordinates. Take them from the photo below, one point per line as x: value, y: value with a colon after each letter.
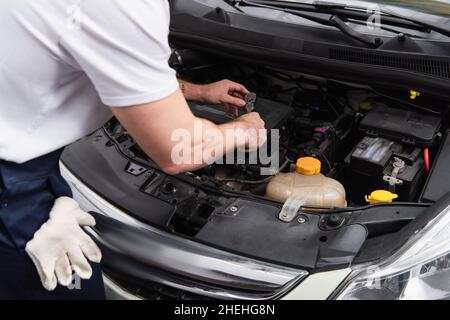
x: 152, y: 126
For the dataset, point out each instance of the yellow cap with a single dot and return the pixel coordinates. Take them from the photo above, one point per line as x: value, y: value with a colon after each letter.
x: 414, y: 94
x: 308, y: 166
x: 381, y: 196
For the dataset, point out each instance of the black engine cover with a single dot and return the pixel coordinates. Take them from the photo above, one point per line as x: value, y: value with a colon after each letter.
x: 273, y: 113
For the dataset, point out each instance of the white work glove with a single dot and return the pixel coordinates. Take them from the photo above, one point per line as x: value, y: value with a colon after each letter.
x: 61, y: 245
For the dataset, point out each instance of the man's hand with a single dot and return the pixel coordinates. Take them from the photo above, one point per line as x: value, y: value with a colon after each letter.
x: 227, y: 93
x: 253, y: 129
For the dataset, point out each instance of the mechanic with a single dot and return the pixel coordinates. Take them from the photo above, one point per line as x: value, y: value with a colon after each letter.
x: 67, y: 66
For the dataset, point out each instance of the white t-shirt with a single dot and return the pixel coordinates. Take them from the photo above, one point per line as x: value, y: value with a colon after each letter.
x: 63, y: 61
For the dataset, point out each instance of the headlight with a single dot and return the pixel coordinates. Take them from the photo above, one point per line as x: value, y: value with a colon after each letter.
x: 419, y: 271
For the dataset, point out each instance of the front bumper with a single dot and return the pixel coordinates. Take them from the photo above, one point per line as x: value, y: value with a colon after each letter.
x: 144, y: 262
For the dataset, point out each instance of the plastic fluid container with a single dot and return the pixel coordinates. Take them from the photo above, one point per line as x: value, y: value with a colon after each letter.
x: 307, y: 186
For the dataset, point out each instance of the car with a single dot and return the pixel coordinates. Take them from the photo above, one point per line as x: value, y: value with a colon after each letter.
x: 361, y: 87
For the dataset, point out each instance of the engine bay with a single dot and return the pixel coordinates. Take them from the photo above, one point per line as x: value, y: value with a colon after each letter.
x: 364, y: 140
x: 376, y: 147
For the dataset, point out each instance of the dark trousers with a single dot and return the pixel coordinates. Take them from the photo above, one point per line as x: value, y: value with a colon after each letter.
x: 27, y: 194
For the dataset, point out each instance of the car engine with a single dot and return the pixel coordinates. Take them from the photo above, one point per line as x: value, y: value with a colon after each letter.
x: 365, y: 140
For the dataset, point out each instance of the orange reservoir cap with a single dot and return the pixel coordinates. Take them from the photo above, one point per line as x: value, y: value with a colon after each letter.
x: 308, y: 166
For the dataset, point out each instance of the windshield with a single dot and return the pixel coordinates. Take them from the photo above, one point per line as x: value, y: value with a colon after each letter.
x: 436, y: 7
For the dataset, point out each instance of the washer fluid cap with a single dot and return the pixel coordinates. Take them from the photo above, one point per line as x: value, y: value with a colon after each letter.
x: 381, y: 196
x: 308, y: 166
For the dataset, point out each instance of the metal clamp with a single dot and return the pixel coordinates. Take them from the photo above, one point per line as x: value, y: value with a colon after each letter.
x: 393, y: 180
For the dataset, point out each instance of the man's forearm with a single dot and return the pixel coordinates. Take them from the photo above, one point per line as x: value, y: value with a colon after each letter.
x: 191, y: 91
x: 209, y: 144
x: 168, y: 131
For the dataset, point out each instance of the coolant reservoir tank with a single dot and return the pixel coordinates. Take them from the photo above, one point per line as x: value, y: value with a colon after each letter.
x: 308, y: 184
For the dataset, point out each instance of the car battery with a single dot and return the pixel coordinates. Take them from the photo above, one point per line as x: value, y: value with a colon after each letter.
x: 403, y: 126
x: 378, y: 163
x: 390, y: 156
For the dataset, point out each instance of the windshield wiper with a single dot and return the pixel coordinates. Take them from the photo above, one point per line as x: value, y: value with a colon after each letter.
x: 323, y: 18
x: 444, y: 30
x: 234, y: 5
x: 354, y: 11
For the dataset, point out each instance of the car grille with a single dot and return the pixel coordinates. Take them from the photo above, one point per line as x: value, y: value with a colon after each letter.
x: 151, y: 290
